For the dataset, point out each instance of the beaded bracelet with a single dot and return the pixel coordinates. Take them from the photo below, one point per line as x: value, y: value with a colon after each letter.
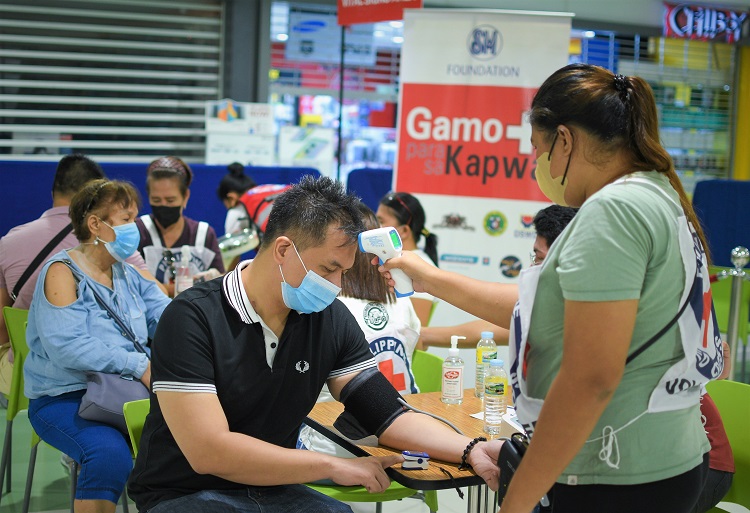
x: 464, y: 465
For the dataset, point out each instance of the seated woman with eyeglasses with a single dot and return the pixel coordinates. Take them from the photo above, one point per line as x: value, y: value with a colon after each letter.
x: 70, y: 334
x: 166, y: 230
x: 404, y: 212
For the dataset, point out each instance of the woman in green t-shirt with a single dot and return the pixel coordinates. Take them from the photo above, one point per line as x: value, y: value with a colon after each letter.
x: 605, y: 375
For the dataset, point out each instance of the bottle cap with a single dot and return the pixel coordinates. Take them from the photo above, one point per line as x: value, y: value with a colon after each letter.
x: 185, y: 251
x: 497, y: 362
x: 488, y: 334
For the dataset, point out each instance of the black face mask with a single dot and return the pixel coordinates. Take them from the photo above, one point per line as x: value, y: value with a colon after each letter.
x: 166, y: 216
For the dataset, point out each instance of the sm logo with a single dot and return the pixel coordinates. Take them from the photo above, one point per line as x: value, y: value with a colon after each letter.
x: 485, y: 42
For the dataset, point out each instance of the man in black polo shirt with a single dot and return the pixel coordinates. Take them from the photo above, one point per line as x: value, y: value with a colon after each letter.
x: 239, y: 361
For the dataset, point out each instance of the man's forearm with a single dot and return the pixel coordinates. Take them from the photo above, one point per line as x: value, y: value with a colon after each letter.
x: 243, y: 459
x: 417, y: 432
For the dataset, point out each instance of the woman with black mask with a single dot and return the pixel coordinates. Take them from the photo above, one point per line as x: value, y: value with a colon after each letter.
x: 166, y: 230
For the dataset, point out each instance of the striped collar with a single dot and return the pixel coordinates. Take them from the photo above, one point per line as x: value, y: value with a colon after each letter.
x: 235, y: 293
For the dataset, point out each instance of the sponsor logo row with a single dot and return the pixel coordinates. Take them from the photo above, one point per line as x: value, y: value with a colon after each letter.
x: 495, y: 223
x: 509, y: 266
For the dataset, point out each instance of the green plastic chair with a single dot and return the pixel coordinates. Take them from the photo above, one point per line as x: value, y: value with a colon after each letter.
x: 16, y: 320
x: 135, y: 417
x: 733, y: 401
x: 395, y: 492
x: 427, y: 369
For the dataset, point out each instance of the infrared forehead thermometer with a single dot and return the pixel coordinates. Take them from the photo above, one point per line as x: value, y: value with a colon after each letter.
x: 385, y: 243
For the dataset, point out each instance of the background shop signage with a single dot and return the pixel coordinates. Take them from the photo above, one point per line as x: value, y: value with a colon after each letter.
x: 467, y: 82
x: 310, y: 146
x: 703, y: 22
x: 239, y: 132
x: 370, y: 11
x: 316, y: 37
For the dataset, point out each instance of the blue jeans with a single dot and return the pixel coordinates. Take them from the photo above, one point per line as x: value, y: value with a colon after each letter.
x: 101, y: 450
x: 254, y: 499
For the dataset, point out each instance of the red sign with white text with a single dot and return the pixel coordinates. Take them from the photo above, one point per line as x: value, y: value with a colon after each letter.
x: 351, y: 12
x: 467, y: 141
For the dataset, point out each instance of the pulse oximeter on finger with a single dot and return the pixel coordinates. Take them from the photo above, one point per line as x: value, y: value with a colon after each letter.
x: 415, y: 460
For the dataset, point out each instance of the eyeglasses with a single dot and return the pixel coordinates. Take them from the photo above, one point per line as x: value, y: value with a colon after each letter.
x: 390, y: 199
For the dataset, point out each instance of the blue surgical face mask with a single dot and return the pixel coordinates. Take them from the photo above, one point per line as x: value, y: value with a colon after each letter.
x: 314, y: 294
x: 127, y: 238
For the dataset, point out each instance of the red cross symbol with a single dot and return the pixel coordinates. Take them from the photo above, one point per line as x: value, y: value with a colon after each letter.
x: 397, y: 380
x: 706, y: 316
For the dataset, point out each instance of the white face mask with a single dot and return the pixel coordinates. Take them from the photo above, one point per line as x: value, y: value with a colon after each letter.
x: 553, y: 188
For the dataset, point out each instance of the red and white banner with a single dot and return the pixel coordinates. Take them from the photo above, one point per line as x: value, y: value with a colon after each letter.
x: 467, y: 82
x: 702, y: 22
x: 369, y: 11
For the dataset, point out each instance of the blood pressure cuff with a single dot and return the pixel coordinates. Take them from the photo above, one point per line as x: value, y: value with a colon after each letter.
x: 370, y: 405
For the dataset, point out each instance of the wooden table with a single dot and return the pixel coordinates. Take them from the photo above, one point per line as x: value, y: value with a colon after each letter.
x: 323, y: 415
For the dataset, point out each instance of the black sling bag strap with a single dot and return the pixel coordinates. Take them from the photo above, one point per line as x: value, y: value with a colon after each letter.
x: 666, y: 328
x: 44, y: 253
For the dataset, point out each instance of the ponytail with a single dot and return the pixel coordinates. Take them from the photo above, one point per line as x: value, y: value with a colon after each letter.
x: 430, y: 246
x: 647, y: 151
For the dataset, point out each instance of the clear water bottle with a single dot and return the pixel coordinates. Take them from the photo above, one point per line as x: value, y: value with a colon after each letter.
x: 452, y: 387
x: 183, y: 273
x: 486, y: 351
x: 495, y: 385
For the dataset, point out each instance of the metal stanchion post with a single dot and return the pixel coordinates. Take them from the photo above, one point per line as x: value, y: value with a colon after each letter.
x: 473, y: 505
x: 740, y: 257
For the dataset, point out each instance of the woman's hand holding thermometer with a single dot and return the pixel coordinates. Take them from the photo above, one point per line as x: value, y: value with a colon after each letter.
x: 385, y: 243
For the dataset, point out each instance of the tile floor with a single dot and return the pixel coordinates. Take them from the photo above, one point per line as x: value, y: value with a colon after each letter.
x: 50, y: 492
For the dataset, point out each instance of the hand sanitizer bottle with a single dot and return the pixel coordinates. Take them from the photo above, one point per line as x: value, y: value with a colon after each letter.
x: 452, y: 390
x: 184, y: 276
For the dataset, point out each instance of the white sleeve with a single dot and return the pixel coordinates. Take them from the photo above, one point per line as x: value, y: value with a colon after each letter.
x: 412, y: 320
x: 236, y: 220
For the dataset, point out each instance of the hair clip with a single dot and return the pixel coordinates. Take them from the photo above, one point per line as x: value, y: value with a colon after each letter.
x: 621, y: 86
